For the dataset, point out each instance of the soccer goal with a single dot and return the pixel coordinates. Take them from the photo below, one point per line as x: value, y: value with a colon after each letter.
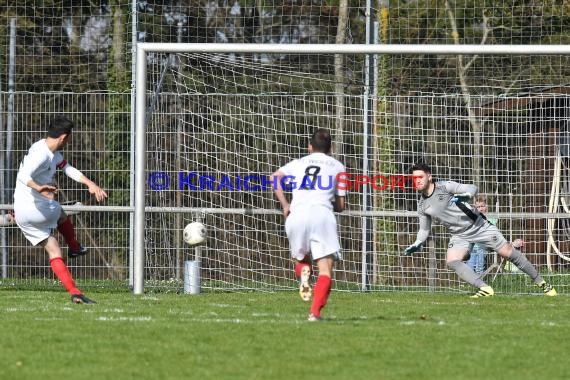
x: 213, y: 121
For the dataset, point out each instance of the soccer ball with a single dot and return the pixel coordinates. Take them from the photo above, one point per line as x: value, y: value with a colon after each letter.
x: 195, y: 233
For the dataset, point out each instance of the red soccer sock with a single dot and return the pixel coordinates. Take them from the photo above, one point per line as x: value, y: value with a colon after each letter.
x: 66, y: 229
x: 321, y: 294
x: 299, y: 265
x: 60, y: 269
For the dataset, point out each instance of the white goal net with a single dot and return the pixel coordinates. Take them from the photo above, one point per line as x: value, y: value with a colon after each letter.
x: 218, y: 122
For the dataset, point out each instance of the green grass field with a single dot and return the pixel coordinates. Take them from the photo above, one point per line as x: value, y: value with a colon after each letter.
x: 266, y: 336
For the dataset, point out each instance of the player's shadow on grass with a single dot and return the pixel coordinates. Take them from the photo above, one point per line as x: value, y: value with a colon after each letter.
x: 374, y: 318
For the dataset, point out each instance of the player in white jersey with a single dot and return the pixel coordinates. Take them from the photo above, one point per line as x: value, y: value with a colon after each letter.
x: 310, y: 223
x: 37, y: 212
x: 444, y: 201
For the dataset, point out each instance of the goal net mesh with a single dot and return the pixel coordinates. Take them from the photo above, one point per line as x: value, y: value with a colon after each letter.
x: 220, y: 124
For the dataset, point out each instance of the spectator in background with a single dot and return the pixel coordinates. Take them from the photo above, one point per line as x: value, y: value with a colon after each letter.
x: 477, y: 254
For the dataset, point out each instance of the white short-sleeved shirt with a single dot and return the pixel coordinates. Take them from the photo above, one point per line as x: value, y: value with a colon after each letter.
x: 311, y: 226
x: 314, y: 180
x: 35, y: 214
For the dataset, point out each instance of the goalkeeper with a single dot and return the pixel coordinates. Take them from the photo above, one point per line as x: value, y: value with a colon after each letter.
x: 446, y: 201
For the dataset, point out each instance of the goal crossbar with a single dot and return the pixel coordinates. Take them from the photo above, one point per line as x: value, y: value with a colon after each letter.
x: 142, y: 48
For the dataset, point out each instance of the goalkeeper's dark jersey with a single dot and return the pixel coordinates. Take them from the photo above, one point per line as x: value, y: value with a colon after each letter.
x: 439, y: 207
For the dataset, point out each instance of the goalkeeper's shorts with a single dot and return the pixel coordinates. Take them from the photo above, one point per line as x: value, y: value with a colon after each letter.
x: 485, y: 234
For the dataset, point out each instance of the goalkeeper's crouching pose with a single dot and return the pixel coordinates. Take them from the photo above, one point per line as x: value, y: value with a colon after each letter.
x: 447, y: 202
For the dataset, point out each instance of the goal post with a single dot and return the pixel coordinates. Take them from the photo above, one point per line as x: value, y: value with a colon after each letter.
x: 287, y: 111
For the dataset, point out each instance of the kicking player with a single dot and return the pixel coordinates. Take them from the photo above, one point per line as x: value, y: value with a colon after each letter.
x: 310, y: 223
x: 445, y: 202
x: 37, y: 212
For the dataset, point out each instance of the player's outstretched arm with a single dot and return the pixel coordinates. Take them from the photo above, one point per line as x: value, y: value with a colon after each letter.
x: 413, y: 248
x: 76, y: 175
x: 423, y: 234
x: 99, y: 194
x: 460, y: 188
x: 518, y: 243
x: 461, y: 192
x: 461, y: 197
x: 279, y: 192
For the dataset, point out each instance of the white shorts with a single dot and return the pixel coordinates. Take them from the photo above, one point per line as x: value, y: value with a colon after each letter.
x: 312, y: 231
x: 37, y: 220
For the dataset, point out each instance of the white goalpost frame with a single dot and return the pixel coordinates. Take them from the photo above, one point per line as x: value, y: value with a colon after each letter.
x: 141, y: 108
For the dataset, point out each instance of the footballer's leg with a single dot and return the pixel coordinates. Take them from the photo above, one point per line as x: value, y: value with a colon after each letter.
x: 62, y: 272
x: 65, y: 227
x: 516, y: 257
x: 297, y: 234
x: 303, y: 272
x: 322, y: 286
x: 454, y: 261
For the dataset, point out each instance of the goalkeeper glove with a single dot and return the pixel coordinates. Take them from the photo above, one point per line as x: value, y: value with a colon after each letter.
x: 461, y: 197
x: 413, y: 248
x: 518, y: 243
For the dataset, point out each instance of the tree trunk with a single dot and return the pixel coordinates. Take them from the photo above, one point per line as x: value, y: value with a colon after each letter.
x: 340, y: 77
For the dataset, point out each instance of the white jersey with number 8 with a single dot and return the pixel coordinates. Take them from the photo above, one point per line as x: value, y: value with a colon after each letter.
x: 313, y: 180
x: 311, y: 226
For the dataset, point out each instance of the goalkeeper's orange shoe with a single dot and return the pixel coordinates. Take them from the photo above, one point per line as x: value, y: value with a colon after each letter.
x: 548, y: 289
x: 305, y: 290
x: 484, y: 291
